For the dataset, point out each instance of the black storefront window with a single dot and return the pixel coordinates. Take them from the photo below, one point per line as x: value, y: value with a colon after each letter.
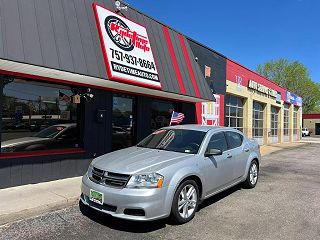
x: 161, y: 112
x: 37, y: 116
x: 122, y: 121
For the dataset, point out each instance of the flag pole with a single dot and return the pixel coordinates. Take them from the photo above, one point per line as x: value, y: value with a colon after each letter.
x: 171, y: 118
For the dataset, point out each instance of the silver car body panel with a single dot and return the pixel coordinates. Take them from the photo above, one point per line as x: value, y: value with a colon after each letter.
x: 216, y: 173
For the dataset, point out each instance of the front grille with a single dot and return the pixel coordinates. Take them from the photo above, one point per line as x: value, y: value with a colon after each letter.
x: 109, y: 178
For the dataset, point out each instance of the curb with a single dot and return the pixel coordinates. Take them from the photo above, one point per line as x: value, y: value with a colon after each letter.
x: 301, y: 144
x: 33, y: 212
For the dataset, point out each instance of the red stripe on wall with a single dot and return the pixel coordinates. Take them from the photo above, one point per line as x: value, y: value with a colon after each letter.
x: 221, y: 120
x: 311, y: 116
x: 199, y: 113
x: 186, y: 56
x: 174, y: 60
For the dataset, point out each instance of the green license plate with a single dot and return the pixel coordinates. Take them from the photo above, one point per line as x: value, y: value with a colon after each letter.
x: 96, y: 197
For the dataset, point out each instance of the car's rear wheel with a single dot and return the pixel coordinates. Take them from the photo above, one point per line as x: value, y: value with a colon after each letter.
x: 185, y: 202
x: 253, y: 175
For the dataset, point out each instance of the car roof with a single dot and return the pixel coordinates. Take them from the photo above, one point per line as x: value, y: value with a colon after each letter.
x: 198, y: 127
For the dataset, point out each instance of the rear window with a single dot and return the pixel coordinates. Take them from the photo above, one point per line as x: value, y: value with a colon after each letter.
x: 234, y: 139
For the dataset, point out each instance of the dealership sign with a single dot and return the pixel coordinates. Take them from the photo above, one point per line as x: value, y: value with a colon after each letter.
x: 293, y: 99
x: 126, y: 48
x: 261, y: 88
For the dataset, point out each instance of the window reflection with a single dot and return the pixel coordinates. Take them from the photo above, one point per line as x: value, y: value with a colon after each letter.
x: 122, y: 121
x: 234, y: 112
x: 257, y: 114
x: 161, y: 114
x: 37, y: 116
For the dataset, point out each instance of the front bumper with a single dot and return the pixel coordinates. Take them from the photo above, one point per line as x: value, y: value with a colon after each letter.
x: 153, y: 202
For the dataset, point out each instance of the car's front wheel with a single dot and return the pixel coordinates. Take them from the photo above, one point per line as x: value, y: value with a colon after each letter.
x: 253, y: 174
x: 185, y: 202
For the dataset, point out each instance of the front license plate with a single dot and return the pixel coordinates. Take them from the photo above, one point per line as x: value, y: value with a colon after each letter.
x: 96, y: 197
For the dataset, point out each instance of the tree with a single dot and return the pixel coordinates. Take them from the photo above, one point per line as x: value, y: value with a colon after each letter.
x: 295, y: 77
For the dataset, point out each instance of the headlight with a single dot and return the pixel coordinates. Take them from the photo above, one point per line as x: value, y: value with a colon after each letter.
x: 89, y: 172
x: 149, y: 180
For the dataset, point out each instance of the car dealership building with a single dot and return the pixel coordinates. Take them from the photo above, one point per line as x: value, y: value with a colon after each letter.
x: 81, y: 80
x: 312, y: 122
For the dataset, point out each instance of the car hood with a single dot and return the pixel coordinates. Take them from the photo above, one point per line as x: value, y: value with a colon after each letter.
x: 20, y: 141
x: 137, y: 160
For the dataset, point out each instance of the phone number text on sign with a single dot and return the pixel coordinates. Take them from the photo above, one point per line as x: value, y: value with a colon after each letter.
x: 119, y: 55
x: 127, y: 49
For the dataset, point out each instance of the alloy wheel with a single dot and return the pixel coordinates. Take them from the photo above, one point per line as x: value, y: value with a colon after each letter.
x: 187, y: 201
x: 253, y: 174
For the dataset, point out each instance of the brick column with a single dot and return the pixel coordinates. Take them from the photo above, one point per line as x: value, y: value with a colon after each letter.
x: 280, y: 125
x: 247, y: 117
x: 266, y: 123
x: 291, y: 108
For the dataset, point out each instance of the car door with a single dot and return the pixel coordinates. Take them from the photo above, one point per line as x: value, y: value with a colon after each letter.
x: 239, y: 151
x: 67, y: 138
x: 218, y: 169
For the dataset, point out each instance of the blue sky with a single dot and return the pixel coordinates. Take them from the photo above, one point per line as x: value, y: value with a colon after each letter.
x: 248, y: 31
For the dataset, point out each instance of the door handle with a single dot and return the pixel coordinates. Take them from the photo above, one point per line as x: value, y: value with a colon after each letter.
x: 246, y: 149
x: 229, y: 156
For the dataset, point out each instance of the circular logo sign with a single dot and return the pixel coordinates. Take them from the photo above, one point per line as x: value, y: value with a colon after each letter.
x: 115, y: 28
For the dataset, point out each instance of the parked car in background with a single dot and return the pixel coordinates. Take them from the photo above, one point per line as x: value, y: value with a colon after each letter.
x: 56, y: 136
x: 170, y: 172
x: 305, y: 132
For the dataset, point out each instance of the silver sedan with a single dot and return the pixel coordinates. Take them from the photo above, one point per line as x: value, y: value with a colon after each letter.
x: 170, y: 172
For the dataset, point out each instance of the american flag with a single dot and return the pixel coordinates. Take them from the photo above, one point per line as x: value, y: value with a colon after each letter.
x: 64, y: 97
x: 176, y: 117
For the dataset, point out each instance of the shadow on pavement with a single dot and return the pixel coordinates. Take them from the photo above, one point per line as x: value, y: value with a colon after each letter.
x: 216, y: 198
x: 121, y: 224
x: 144, y: 227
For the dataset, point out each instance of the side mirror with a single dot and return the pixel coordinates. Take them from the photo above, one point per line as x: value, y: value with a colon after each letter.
x: 212, y: 151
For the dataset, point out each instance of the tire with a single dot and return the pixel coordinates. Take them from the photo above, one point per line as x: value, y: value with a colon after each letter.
x: 188, y: 205
x: 253, y: 175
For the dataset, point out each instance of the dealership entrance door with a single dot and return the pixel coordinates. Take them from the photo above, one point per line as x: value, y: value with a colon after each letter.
x: 122, y: 122
x: 317, y: 128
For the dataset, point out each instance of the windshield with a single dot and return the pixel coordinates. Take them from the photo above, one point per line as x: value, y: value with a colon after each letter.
x: 177, y: 140
x: 49, y: 132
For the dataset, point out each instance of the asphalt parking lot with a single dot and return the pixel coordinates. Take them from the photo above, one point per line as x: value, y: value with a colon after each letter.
x: 284, y: 205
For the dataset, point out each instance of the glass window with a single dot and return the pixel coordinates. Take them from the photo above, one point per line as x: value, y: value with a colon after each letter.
x: 257, y: 115
x: 38, y: 116
x: 295, y: 120
x: 218, y: 141
x: 286, y: 120
x: 274, y: 121
x: 122, y: 121
x: 234, y: 112
x: 176, y: 140
x: 234, y: 139
x: 161, y: 114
